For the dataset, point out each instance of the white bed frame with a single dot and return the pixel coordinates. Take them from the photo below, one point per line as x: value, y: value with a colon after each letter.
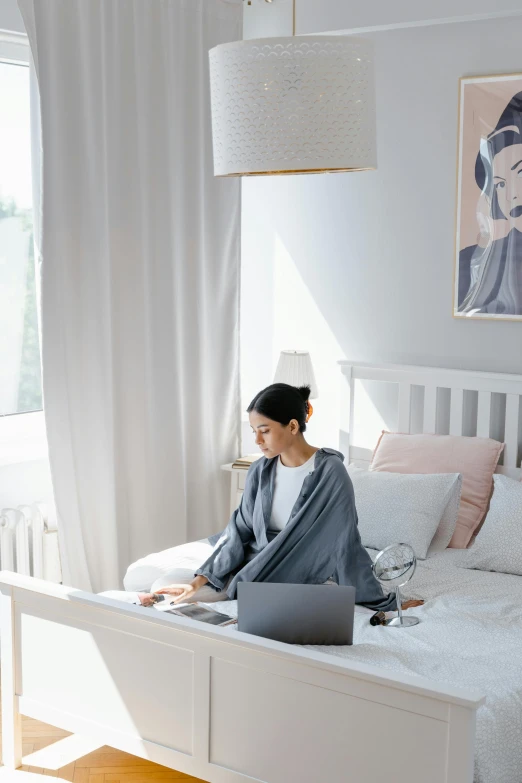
x: 228, y: 707
x: 437, y: 400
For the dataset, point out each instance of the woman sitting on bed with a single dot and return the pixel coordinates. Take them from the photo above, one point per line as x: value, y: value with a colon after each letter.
x: 296, y: 522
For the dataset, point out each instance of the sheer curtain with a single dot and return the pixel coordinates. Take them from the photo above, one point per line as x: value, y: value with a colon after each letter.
x: 140, y: 277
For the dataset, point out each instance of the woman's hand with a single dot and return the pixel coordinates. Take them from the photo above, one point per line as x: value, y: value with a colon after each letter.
x: 410, y: 604
x: 146, y: 599
x: 184, y: 593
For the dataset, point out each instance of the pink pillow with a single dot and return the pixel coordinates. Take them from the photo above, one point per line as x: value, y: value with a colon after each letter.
x: 475, y: 458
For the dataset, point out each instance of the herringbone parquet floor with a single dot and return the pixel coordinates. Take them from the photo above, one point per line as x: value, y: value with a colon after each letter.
x: 50, y: 752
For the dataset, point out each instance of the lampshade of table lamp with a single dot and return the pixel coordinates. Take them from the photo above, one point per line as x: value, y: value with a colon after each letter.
x: 295, y: 368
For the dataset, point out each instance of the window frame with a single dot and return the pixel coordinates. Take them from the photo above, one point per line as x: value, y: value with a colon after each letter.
x: 14, y: 48
x: 22, y: 435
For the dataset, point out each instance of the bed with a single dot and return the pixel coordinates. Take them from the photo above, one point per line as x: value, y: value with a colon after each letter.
x: 440, y: 704
x: 470, y: 636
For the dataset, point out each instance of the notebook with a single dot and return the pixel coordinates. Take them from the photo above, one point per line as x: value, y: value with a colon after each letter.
x: 201, y: 613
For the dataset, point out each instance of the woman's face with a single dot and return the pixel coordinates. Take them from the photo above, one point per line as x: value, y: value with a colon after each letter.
x: 507, y: 181
x: 272, y: 437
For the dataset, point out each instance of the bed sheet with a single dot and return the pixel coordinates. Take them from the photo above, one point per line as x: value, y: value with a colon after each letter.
x: 470, y: 635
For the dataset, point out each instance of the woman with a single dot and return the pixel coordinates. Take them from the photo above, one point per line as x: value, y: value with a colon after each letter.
x: 296, y: 522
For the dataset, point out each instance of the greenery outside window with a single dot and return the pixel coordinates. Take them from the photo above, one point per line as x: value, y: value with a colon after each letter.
x: 20, y: 366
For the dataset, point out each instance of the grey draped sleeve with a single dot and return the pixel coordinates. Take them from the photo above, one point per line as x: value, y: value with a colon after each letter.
x: 321, y: 539
x: 233, y: 541
x: 354, y: 568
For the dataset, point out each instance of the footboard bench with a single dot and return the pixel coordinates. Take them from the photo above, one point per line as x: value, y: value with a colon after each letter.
x: 218, y: 704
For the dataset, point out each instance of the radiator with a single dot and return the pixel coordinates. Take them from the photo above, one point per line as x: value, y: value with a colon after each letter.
x: 29, y: 542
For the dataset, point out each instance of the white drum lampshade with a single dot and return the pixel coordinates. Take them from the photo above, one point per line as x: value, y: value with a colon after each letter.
x: 296, y: 105
x: 295, y: 368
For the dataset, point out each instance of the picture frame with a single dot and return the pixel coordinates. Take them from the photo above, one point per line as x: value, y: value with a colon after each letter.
x: 488, y: 221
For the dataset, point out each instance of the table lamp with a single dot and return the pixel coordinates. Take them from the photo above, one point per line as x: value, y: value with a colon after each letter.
x: 295, y: 368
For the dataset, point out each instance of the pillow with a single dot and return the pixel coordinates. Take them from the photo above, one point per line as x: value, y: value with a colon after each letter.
x: 475, y: 458
x: 498, y: 546
x: 448, y: 523
x: 404, y: 508
x: 146, y: 571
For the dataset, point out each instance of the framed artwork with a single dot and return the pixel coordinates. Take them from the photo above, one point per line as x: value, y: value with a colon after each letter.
x: 488, y: 246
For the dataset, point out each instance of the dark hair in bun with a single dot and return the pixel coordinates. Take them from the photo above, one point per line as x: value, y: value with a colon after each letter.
x: 282, y: 402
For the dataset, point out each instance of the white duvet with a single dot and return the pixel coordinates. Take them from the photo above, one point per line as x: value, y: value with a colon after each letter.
x: 470, y: 635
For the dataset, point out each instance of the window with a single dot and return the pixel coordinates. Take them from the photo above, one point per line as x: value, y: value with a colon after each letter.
x: 20, y: 373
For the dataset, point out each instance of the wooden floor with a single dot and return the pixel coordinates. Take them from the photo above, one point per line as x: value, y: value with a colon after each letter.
x: 52, y: 752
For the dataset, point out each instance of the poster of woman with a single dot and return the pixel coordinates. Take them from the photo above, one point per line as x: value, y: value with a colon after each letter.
x: 488, y: 266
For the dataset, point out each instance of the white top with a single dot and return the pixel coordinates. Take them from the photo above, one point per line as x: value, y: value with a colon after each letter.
x: 288, y: 483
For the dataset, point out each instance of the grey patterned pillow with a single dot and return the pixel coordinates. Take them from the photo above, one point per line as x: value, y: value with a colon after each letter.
x: 412, y: 508
x: 498, y: 545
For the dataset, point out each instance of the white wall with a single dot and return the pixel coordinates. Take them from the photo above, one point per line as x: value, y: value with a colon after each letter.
x: 333, y: 15
x: 24, y: 483
x: 361, y: 265
x: 10, y: 18
x: 24, y: 466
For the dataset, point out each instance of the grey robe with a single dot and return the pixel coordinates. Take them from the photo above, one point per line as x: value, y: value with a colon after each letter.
x: 320, y: 541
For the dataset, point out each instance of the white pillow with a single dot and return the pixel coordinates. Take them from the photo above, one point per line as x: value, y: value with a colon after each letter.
x: 498, y: 545
x: 411, y: 508
x: 148, y: 570
x: 448, y: 523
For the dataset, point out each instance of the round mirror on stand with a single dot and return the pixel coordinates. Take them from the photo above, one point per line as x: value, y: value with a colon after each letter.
x: 394, y: 566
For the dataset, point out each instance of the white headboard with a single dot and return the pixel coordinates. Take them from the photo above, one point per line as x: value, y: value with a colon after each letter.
x: 431, y: 400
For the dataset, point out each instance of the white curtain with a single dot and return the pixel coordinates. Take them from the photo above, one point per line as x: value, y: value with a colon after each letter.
x: 140, y: 277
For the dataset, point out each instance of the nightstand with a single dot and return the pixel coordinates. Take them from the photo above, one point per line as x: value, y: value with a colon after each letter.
x: 237, y: 484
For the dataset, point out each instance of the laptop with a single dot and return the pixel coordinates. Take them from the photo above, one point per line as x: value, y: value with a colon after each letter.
x: 297, y: 614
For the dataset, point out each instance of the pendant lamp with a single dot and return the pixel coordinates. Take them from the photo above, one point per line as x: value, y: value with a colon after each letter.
x: 293, y: 105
